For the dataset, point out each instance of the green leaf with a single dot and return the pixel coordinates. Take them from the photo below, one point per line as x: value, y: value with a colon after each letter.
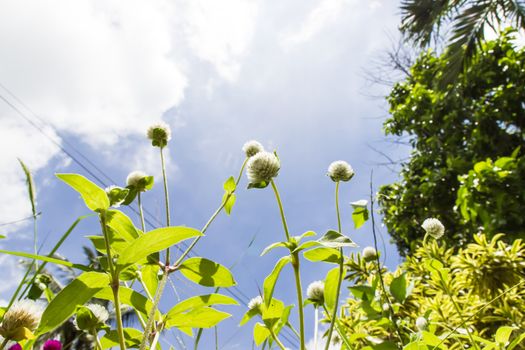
x: 271, y: 280
x: 306, y: 245
x: 229, y: 185
x: 432, y: 340
x: 260, y: 333
x: 200, y: 301
x: 94, y: 197
x: 304, y: 235
x: 334, y: 239
x: 273, y: 246
x: 360, y: 213
x: 262, y: 184
x: 503, y: 334
x: 329, y: 255
x: 117, y: 195
x: 129, y: 297
x: 30, y: 187
x: 272, y: 313
x: 122, y: 225
x: 248, y: 315
x: 398, y: 288
x: 330, y: 287
x: 47, y: 259
x: 133, y: 338
x: 203, y: 317
x: 363, y: 292
x: 78, y: 292
x: 154, y: 241
x: 230, y: 201
x: 150, y: 277
x: 206, y: 273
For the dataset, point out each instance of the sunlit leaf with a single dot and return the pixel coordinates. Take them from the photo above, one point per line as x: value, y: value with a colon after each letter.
x: 334, y: 239
x: 271, y: 279
x: 206, y: 273
x: 329, y: 255
x: 94, y: 197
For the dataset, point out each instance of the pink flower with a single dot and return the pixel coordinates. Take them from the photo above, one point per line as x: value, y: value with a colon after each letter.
x: 52, y: 345
x: 15, y: 346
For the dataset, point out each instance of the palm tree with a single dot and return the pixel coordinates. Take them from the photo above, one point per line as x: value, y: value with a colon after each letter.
x: 422, y: 21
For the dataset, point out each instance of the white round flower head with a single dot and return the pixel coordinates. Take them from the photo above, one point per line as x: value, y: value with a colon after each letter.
x: 255, y: 302
x: 369, y: 253
x: 386, y: 307
x: 99, y: 312
x: 25, y: 313
x: 421, y: 323
x: 159, y: 134
x: 251, y: 148
x: 315, y: 291
x: 262, y: 167
x: 340, y: 171
x: 433, y: 227
x: 134, y: 177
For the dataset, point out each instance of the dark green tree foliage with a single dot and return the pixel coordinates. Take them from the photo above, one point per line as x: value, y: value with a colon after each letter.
x: 480, y: 116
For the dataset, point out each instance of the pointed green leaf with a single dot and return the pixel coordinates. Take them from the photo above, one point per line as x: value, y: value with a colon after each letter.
x: 304, y: 235
x: 273, y: 313
x: 122, y: 225
x: 503, y: 334
x: 248, y: 315
x: 271, y: 280
x: 230, y: 201
x: 260, y: 333
x: 203, y: 317
x: 206, y: 273
x: 229, y: 185
x: 154, y: 241
x: 78, y: 292
x: 330, y: 287
x: 273, y: 246
x: 306, y: 245
x: 47, y: 259
x: 399, y: 288
x: 128, y: 297
x: 94, y: 197
x: 334, y: 239
x: 360, y: 214
x: 329, y: 255
x: 150, y: 277
x: 200, y: 301
x: 133, y: 338
x: 30, y: 187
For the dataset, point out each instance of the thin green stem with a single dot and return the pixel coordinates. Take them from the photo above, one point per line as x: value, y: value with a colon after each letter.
x: 141, y: 212
x: 379, y: 272
x: 155, y: 340
x: 279, y: 202
x: 274, y: 336
x: 94, y: 333
x: 35, y: 237
x: 115, y: 283
x: 295, y: 264
x: 4, y: 343
x: 217, y: 212
x: 151, y: 316
x: 341, y: 267
x: 166, y: 197
x: 293, y: 330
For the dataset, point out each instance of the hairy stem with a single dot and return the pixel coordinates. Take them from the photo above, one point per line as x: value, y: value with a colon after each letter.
x: 166, y: 197
x: 316, y: 327
x: 141, y: 212
x: 281, y: 210
x: 274, y: 336
x: 151, y: 316
x: 341, y: 267
x: 94, y: 333
x: 115, y: 283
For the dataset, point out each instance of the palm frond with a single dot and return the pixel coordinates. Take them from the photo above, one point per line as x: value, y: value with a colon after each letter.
x: 467, y: 36
x: 515, y: 9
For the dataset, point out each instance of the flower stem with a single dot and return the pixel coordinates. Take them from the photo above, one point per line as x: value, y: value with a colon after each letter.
x: 283, y: 218
x: 97, y: 340
x: 274, y: 336
x: 141, y: 212
x: 166, y: 197
x: 151, y: 316
x: 316, y: 327
x: 115, y: 283
x: 341, y: 267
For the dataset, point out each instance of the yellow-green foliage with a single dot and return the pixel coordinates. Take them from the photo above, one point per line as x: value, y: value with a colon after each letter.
x: 485, y: 280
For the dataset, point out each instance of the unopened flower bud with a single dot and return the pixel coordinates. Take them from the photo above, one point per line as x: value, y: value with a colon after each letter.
x: 433, y: 227
x: 421, y: 323
x: 139, y: 181
x: 91, y: 316
x: 159, y: 134
x: 251, y: 148
x: 340, y: 171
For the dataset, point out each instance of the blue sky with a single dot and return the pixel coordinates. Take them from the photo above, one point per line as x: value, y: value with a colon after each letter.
x: 289, y: 74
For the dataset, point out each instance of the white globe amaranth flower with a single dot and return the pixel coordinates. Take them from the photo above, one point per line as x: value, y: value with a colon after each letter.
x: 255, y: 303
x: 386, y: 307
x: 421, y: 323
x: 315, y: 291
x: 262, y: 167
x: 159, y: 134
x: 340, y: 171
x: 22, y: 314
x: 251, y: 148
x: 91, y: 316
x: 369, y: 253
x: 433, y: 227
x: 139, y: 181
